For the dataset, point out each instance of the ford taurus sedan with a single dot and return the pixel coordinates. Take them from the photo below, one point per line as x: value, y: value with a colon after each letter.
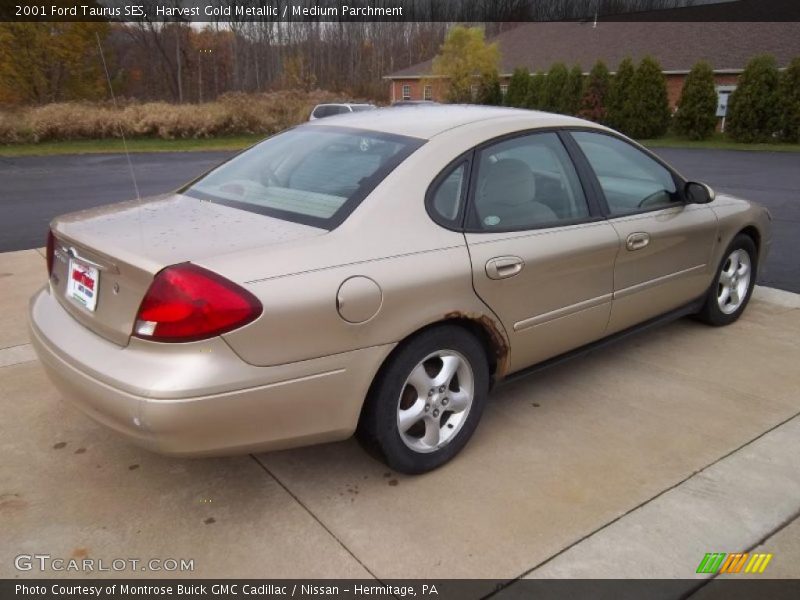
x: 378, y: 273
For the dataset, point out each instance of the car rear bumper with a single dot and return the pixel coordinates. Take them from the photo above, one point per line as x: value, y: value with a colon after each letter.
x: 200, y: 398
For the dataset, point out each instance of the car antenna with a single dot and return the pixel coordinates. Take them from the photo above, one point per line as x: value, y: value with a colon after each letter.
x: 119, y: 123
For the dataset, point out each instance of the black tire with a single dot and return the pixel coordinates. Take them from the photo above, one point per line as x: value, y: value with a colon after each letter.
x: 711, y: 313
x: 378, y: 428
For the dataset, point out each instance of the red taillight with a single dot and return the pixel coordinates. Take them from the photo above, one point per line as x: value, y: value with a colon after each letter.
x: 51, y: 249
x: 186, y: 303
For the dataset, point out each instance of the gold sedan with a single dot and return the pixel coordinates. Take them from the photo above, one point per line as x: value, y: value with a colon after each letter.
x: 378, y: 273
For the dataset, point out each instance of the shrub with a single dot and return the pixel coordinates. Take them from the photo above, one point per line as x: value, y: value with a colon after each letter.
x: 232, y: 114
x: 517, y: 94
x: 697, y: 108
x: 489, y: 90
x: 572, y: 91
x: 595, y: 96
x: 553, y: 87
x: 753, y: 109
x: 535, y: 97
x: 648, y: 114
x: 619, y: 93
x: 790, y: 102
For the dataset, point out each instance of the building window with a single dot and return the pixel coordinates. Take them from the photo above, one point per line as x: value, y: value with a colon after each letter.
x: 406, y: 92
x: 504, y: 89
x: 427, y: 92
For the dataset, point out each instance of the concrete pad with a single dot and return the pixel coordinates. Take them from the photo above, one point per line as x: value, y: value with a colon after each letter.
x: 776, y: 296
x: 21, y: 274
x: 784, y: 546
x: 755, y: 490
x: 16, y: 354
x: 71, y: 489
x: 562, y: 453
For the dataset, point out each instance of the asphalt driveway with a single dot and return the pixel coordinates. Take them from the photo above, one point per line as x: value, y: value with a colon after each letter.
x: 35, y: 189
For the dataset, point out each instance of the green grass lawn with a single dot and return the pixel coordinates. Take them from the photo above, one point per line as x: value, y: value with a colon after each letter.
x: 718, y: 142
x: 109, y: 146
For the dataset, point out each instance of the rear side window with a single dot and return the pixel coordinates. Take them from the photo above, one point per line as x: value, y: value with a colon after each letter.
x: 314, y: 175
x: 447, y: 195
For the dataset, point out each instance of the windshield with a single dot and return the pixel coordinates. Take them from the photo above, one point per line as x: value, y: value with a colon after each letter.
x: 312, y: 175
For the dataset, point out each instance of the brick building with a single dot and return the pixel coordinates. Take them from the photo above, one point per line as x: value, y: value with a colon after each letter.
x: 676, y: 45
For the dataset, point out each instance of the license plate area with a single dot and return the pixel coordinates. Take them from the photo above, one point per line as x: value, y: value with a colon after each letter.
x: 83, y: 284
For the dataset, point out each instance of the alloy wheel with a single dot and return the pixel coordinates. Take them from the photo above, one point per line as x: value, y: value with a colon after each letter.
x: 734, y: 281
x: 435, y: 401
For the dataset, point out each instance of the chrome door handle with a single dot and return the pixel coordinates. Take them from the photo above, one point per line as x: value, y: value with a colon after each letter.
x: 637, y: 241
x: 504, y: 266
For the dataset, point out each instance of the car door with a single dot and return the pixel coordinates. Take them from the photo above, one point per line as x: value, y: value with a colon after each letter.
x: 542, y: 254
x: 667, y: 243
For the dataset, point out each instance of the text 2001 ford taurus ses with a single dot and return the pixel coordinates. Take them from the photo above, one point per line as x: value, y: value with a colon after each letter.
x: 376, y: 273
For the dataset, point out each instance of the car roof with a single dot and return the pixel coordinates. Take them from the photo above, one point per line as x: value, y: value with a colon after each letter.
x: 426, y: 121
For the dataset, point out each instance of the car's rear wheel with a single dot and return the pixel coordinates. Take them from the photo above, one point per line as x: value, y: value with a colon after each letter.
x: 733, y: 284
x: 427, y: 400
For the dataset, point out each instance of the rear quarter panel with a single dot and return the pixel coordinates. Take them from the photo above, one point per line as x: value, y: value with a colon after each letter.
x: 423, y: 272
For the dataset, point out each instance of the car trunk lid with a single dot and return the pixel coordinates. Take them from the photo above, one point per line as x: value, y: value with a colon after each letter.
x: 105, y: 258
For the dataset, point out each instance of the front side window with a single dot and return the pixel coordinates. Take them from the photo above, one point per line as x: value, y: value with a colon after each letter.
x: 406, y: 92
x: 427, y: 93
x: 313, y: 174
x: 527, y: 182
x: 631, y: 180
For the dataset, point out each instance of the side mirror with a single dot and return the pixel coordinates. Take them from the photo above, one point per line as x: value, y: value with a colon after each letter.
x: 699, y: 193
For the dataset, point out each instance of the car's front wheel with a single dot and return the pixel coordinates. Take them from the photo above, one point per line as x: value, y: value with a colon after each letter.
x: 733, y: 284
x: 425, y: 404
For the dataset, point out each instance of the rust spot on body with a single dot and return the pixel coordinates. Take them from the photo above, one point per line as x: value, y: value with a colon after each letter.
x: 496, y: 339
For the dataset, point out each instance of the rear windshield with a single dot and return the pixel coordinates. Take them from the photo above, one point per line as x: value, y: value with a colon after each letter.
x: 313, y: 175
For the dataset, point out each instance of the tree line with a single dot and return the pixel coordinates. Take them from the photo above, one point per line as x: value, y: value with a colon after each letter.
x: 764, y: 107
x: 194, y: 62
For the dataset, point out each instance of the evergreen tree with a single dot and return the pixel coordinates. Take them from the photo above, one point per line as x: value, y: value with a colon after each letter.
x: 697, y: 109
x: 619, y: 93
x: 489, y: 90
x: 553, y: 90
x: 536, y: 91
x: 648, y: 113
x: 517, y: 94
x: 572, y: 91
x: 595, y: 96
x: 753, y: 109
x: 790, y: 102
